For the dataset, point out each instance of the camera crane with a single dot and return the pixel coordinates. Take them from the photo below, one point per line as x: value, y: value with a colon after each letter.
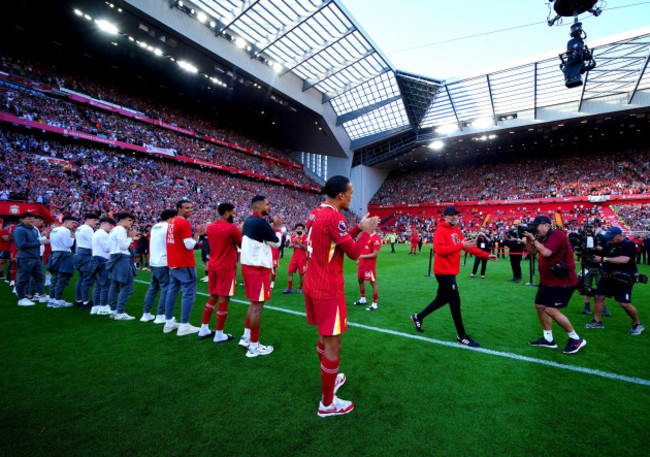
x: 577, y: 59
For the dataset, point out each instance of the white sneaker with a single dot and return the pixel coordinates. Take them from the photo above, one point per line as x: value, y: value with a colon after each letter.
x: 64, y: 304
x: 187, y: 329
x: 44, y: 299
x: 13, y: 291
x: 47, y: 284
x: 244, y: 342
x: 160, y: 319
x: 205, y: 279
x: 111, y: 313
x: 340, y: 380
x: 337, y: 408
x: 170, y: 327
x: 103, y: 310
x: 25, y: 302
x: 123, y: 317
x: 53, y: 304
x: 146, y: 317
x: 258, y: 349
x: 12, y: 283
x: 272, y: 285
x: 94, y: 310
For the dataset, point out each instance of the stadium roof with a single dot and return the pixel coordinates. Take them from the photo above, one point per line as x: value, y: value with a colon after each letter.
x: 321, y: 43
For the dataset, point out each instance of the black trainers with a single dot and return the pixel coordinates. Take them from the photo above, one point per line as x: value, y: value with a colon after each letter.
x: 78, y: 303
x: 586, y: 311
x: 467, y: 341
x: 543, y: 343
x: 594, y: 324
x: 574, y: 346
x: 417, y: 322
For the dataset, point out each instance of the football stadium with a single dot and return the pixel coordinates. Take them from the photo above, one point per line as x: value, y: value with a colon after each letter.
x: 238, y: 227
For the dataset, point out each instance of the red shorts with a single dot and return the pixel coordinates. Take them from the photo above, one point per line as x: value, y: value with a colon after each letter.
x: 222, y: 282
x: 275, y: 262
x: 257, y: 283
x: 300, y: 267
x: 367, y: 273
x: 329, y: 314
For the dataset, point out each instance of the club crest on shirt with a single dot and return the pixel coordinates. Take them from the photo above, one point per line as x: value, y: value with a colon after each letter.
x: 454, y: 238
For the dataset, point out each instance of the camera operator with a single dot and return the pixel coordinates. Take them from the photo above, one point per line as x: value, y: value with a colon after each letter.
x: 590, y: 273
x: 618, y: 262
x: 516, y: 249
x: 558, y: 280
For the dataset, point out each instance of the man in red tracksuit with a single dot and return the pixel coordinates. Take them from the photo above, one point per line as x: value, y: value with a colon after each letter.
x: 448, y: 241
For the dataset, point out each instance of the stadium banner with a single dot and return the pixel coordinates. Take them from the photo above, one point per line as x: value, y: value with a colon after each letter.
x: 250, y: 151
x: 55, y: 160
x: 14, y: 209
x: 598, y: 198
x: 163, y: 151
x: 25, y: 81
x: 98, y: 139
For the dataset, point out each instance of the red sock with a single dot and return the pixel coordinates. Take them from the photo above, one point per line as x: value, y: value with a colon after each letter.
x: 363, y: 294
x: 222, y: 314
x: 207, y: 311
x: 328, y: 371
x: 247, y: 324
x: 291, y: 284
x: 320, y: 349
x: 273, y: 277
x: 255, y: 335
x: 374, y: 298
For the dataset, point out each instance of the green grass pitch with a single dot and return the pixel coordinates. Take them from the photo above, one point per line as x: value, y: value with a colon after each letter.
x: 81, y: 385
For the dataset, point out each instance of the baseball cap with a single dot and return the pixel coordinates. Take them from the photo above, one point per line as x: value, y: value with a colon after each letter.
x: 450, y: 211
x: 540, y: 220
x: 612, y: 232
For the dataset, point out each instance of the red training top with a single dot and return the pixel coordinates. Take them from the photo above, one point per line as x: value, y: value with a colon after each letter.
x: 447, y: 244
x: 374, y: 244
x: 224, y: 238
x: 178, y: 256
x: 4, y: 245
x: 558, y: 243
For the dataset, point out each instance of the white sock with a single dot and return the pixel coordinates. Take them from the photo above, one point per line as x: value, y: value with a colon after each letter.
x: 548, y: 335
x: 374, y: 304
x: 247, y: 333
x: 170, y: 321
x: 253, y: 345
x: 573, y: 335
x: 362, y: 300
x: 219, y: 336
x: 205, y: 328
x: 272, y: 284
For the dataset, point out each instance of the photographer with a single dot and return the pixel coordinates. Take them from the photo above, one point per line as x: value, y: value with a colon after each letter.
x: 558, y: 280
x: 483, y: 243
x: 516, y: 249
x: 619, y: 270
x: 590, y: 272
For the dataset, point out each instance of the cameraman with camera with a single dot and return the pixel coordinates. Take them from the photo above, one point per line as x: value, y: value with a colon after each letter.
x: 558, y: 280
x: 619, y: 275
x: 515, y: 246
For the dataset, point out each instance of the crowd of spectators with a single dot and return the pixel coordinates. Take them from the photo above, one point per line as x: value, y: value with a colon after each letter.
x: 635, y: 216
x: 110, y: 181
x: 564, y: 176
x: 36, y: 106
x: 105, y: 90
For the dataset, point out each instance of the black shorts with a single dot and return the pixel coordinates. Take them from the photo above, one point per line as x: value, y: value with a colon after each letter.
x: 554, y: 297
x: 142, y: 250
x: 5, y: 255
x: 621, y: 294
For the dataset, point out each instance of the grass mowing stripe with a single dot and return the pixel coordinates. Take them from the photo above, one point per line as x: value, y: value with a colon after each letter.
x: 509, y: 355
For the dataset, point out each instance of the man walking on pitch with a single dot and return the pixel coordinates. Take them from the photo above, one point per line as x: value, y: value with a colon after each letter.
x: 366, y: 266
x: 224, y: 238
x: 448, y: 241
x: 328, y: 238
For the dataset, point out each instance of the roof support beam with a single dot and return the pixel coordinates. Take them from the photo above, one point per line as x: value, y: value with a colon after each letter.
x: 334, y: 71
x: 311, y: 55
x: 291, y: 27
x: 582, y: 95
x: 638, y: 80
x: 535, y: 92
x: 247, y: 5
x: 494, y: 113
x: 453, y: 107
x: 365, y: 110
x: 353, y: 84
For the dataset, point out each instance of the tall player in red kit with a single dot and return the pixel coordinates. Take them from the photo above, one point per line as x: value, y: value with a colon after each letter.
x: 367, y: 271
x: 327, y: 239
x: 298, y: 259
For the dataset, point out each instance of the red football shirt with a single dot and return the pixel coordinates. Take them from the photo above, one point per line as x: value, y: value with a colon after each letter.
x: 276, y: 251
x: 327, y: 230
x: 299, y: 254
x: 178, y: 256
x: 4, y: 245
x: 224, y: 238
x: 374, y: 244
x: 12, y: 246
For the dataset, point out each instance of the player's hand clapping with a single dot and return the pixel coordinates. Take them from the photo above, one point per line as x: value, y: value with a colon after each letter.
x: 368, y: 224
x: 468, y: 244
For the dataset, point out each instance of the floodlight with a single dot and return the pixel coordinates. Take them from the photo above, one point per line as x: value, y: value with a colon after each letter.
x: 436, y: 145
x: 202, y: 17
x: 78, y: 13
x: 277, y: 67
x: 187, y: 66
x: 482, y: 122
x: 240, y: 42
x: 157, y: 51
x: 447, y: 129
x: 107, y: 27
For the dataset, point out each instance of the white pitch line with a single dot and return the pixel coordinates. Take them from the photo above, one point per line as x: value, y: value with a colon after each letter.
x: 508, y: 355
